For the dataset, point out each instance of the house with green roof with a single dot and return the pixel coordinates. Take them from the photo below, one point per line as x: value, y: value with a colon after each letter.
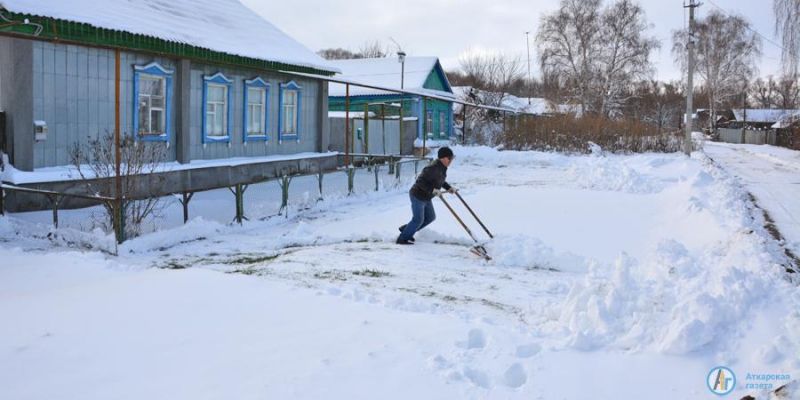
x: 423, y: 75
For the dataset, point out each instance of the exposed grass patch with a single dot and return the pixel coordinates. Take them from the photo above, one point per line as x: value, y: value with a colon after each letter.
x: 331, y: 275
x: 244, y: 271
x: 372, y: 273
x: 252, y: 259
x: 174, y: 264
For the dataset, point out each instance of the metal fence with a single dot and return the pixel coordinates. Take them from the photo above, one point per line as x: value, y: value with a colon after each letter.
x: 742, y: 136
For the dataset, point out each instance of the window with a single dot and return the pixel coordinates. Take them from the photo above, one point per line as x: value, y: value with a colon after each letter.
x: 289, y: 118
x: 216, y: 108
x: 429, y: 123
x: 152, y: 95
x: 256, y: 94
x: 442, y: 124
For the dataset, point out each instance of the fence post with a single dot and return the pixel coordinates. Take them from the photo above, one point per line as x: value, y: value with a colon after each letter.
x: 54, y: 201
x: 351, y: 174
x: 320, y: 175
x: 238, y: 191
x: 2, y: 200
x: 187, y: 197
x: 391, y: 165
x: 397, y: 170
x: 118, y: 220
x: 284, y: 181
x: 377, y: 182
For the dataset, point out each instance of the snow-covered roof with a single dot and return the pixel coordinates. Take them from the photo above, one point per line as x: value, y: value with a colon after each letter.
x: 225, y: 26
x: 385, y: 72
x: 537, y: 106
x: 787, y: 120
x: 762, y: 115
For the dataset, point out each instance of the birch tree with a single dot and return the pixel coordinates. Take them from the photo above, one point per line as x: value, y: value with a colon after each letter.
x: 787, y: 25
x: 597, y: 52
x: 725, y: 56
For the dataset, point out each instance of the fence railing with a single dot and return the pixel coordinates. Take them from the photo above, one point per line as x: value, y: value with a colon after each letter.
x: 376, y: 165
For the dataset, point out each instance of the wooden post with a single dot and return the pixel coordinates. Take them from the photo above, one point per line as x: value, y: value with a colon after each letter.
x: 377, y: 180
x: 464, y: 125
x: 346, y: 124
x: 424, y: 125
x: 120, y: 215
x: 2, y: 200
x: 400, y: 127
x: 351, y: 174
x: 238, y: 192
x: 320, y: 176
x: 383, y: 127
x: 54, y: 201
x: 284, y: 181
x: 187, y: 197
x: 366, y: 128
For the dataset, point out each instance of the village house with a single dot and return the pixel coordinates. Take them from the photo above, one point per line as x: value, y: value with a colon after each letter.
x: 231, y: 97
x: 431, y: 116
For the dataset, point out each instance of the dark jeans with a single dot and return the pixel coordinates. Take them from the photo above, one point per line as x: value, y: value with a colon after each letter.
x: 422, y: 215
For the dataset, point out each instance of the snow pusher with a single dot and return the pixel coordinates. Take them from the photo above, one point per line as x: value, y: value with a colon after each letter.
x: 478, y: 248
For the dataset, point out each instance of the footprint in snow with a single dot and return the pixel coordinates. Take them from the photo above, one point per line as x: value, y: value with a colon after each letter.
x: 515, y: 376
x: 476, y: 339
x: 528, y: 350
x: 477, y: 377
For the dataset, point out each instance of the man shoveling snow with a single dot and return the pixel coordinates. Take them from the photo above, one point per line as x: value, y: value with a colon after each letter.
x: 433, y: 177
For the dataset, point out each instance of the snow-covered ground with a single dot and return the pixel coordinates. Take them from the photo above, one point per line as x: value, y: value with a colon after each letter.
x: 612, y: 277
x: 772, y: 175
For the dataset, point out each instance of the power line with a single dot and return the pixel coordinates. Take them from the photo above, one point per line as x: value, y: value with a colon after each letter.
x: 749, y: 28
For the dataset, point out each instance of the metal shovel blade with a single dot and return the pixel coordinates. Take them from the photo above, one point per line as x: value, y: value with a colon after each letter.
x: 480, y: 251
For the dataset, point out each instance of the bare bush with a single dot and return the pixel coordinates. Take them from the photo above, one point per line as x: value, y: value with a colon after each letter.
x: 140, y: 185
x: 567, y: 134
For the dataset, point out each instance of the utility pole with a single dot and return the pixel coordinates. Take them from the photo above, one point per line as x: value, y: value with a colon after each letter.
x: 687, y: 145
x: 401, y: 57
x: 528, y: 47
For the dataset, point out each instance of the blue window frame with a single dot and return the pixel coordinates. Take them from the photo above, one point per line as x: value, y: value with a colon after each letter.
x: 429, y: 124
x: 217, y: 108
x: 152, y: 103
x: 289, y: 112
x: 256, y: 110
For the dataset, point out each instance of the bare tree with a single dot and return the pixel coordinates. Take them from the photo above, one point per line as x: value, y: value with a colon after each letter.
x: 95, y: 164
x: 787, y: 24
x: 787, y: 92
x: 493, y: 74
x: 726, y: 52
x: 597, y: 53
x: 337, y: 54
x: 656, y: 103
x: 762, y: 91
x: 491, y: 77
x: 372, y: 49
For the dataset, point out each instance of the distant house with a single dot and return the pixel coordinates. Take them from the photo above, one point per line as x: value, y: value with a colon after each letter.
x: 210, y: 80
x: 520, y: 105
x: 759, y: 126
x: 423, y: 75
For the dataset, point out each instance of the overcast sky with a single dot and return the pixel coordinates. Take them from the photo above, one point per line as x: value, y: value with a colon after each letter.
x: 449, y: 28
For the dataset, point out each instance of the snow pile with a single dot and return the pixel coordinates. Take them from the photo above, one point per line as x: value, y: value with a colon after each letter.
x: 677, y: 302
x: 529, y: 252
x: 599, y: 172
